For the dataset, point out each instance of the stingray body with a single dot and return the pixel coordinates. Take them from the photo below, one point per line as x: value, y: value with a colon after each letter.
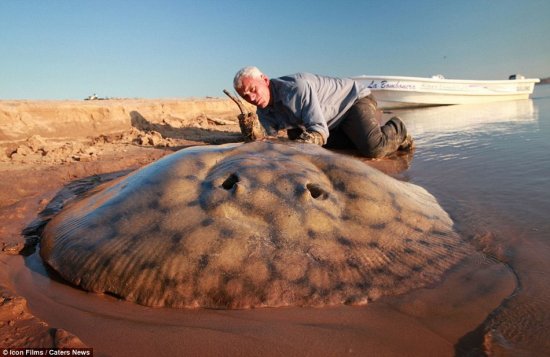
x: 253, y: 225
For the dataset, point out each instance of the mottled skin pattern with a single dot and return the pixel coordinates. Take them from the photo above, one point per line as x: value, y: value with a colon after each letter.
x: 252, y: 225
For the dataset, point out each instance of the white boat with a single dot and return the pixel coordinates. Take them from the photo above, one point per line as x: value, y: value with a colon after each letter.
x: 405, y: 92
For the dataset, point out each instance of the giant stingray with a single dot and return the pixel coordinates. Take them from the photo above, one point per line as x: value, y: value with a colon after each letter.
x: 253, y: 225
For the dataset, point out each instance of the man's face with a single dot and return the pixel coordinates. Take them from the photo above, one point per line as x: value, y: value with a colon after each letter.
x: 255, y: 90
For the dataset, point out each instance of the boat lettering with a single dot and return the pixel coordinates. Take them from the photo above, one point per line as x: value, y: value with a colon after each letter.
x: 384, y: 84
x: 373, y: 85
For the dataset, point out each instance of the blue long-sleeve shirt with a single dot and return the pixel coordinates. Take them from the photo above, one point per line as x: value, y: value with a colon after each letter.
x: 309, y: 101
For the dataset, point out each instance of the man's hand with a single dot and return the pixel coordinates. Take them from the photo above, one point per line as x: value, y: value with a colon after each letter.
x: 250, y: 127
x: 311, y: 137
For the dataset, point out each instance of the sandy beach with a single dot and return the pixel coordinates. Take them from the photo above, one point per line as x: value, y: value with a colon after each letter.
x: 45, y: 145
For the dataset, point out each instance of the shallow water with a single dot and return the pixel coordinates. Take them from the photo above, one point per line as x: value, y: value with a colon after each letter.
x: 488, y: 165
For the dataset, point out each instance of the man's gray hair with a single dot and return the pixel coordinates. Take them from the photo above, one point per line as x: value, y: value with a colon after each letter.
x: 246, y: 72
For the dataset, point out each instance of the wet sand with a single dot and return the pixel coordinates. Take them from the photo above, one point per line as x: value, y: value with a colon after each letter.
x: 454, y: 317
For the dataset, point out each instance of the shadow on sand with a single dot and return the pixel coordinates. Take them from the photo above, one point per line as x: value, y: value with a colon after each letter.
x: 208, y: 136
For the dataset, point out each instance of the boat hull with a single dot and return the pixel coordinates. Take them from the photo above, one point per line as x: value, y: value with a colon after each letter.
x: 405, y: 92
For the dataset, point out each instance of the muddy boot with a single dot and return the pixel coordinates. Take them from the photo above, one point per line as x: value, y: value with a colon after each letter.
x: 407, y: 144
x: 396, y: 132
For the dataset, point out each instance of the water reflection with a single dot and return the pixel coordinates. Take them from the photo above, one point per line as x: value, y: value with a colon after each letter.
x: 469, y: 118
x: 453, y: 132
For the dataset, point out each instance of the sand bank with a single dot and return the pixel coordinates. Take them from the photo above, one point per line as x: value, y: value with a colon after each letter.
x: 20, y: 119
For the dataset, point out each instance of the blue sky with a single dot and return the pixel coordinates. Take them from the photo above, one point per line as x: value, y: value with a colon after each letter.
x: 69, y: 49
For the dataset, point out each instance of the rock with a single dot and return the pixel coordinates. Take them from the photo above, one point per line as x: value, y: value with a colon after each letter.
x: 155, y: 138
x: 13, y: 248
x: 36, y: 143
x: 12, y: 306
x: 65, y: 339
x: 174, y: 122
x: 23, y: 150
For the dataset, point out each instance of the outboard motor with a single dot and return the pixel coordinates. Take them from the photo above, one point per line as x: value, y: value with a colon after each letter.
x: 516, y: 76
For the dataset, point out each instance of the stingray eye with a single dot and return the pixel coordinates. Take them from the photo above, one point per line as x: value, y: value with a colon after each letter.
x: 317, y: 192
x: 230, y: 182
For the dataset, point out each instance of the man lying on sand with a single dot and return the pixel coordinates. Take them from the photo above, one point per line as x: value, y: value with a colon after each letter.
x: 327, y: 111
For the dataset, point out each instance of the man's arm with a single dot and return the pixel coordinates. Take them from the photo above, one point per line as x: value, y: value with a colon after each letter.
x: 307, y: 107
